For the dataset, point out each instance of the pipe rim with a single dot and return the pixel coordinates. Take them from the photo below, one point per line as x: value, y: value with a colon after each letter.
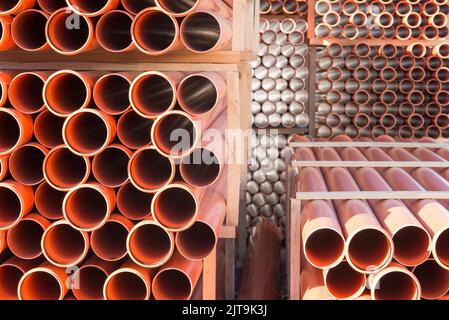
x: 429, y: 247
x: 12, y: 167
x: 31, y: 218
x: 167, y: 11
x: 16, y: 8
x: 44, y: 270
x: 14, y: 26
x: 22, y: 213
x: 186, y: 177
x: 394, y: 269
x: 85, y: 13
x: 99, y: 38
x: 17, y: 78
x: 126, y: 270
x: 327, y: 266
x: 180, y: 248
x: 351, y: 297
x: 14, y: 114
x: 93, y: 241
x: 178, y: 270
x: 96, y: 95
x: 77, y: 275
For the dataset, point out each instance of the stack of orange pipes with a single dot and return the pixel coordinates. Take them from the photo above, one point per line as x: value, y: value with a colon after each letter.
x: 374, y: 249
x: 153, y: 27
x: 89, y: 183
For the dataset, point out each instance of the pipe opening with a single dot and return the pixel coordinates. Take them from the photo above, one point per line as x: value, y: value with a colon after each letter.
x: 28, y: 30
x: 433, y: 132
x: 51, y: 6
x: 396, y: 285
x: 11, y: 207
x: 88, y: 6
x: 334, y: 50
x: 442, y: 247
x: 369, y: 249
x: 91, y: 280
x: 175, y: 208
x: 433, y: 86
x: 126, y: 285
x: 40, y: 285
x: 443, y: 50
x: 48, y: 129
x: 433, y: 279
x: 111, y: 94
x: 65, y: 39
x: 151, y: 177
x: 110, y: 167
x: 64, y: 245
x: 361, y: 74
x: 201, y: 31
x: 323, y: 7
x: 24, y: 239
x: 109, y: 241
x: 150, y: 245
x: 322, y: 31
x: 324, y: 247
x: 92, y: 138
x: 385, y: 19
x: 443, y: 98
x: 133, y: 130
x: 343, y: 282
x: 388, y: 74
x: 443, y: 74
x: 403, y: 32
x: 10, y: 276
x: 25, y: 165
x: 172, y: 284
x: 405, y: 132
x: 66, y: 93
x: 64, y: 169
x: 197, y: 242
x: 201, y: 168
x: 113, y: 31
x: 291, y: 6
x: 439, y: 20
x: 25, y: 93
x: 418, y: 50
x: 178, y: 6
x: 175, y: 134
x: 411, y: 245
x: 135, y: 6
x: 403, y: 8
x: 416, y: 121
x: 49, y: 201
x: 331, y: 19
x: 431, y: 33
x: 388, y: 97
x: 86, y: 208
x: 153, y: 94
x: 379, y: 62
x: 265, y: 6
x: 10, y: 131
x: 133, y: 203
x: 350, y: 32
x: 416, y: 97
x: 155, y: 31
x: 434, y: 63
x: 413, y: 20
x: 7, y: 5
x: 388, y: 121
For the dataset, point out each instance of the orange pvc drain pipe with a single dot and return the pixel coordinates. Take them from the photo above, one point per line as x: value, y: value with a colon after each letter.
x: 16, y: 129
x: 48, y: 129
x: 109, y: 241
x: 88, y: 207
x: 21, y: 26
x: 111, y: 93
x: 175, y: 207
x: 24, y: 239
x: 130, y: 282
x: 198, y: 241
x: 99, y: 131
x: 16, y: 201
x: 48, y: 201
x: 135, y: 6
x: 25, y: 92
x: 63, y: 245
x: 6, y: 41
x: 25, y: 164
x: 149, y: 244
x: 312, y: 284
x: 177, y: 279
x: 90, y: 8
x: 434, y: 280
x: 343, y: 282
x: 113, y: 31
x: 133, y: 203
x: 46, y: 282
x: 15, y: 6
x: 5, y: 80
x: 11, y: 271
x: 51, y: 6
x: 64, y: 170
x: 133, y: 130
x: 110, y: 167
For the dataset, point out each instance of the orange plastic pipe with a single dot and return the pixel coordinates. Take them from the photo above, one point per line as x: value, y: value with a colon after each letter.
x: 133, y: 203
x: 25, y: 164
x: 16, y: 200
x: 5, y: 80
x: 21, y: 26
x: 434, y: 280
x: 48, y: 129
x: 15, y: 6
x: 25, y: 92
x: 111, y: 93
x: 133, y: 130
x: 343, y: 282
x: 312, y: 284
x: 110, y: 167
x: 6, y: 41
x: 11, y: 271
x: 113, y: 31
x: 16, y: 129
x: 48, y: 201
x: 90, y: 8
x: 51, y: 6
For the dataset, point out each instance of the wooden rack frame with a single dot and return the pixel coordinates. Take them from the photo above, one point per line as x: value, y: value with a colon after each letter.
x: 294, y: 199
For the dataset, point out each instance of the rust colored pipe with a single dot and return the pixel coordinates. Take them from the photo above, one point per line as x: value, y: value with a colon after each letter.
x: 11, y: 271
x: 395, y: 282
x: 48, y: 201
x: 87, y: 207
x: 64, y: 170
x: 3, y: 167
x: 51, y: 6
x: 175, y: 207
x: 25, y: 92
x: 46, y: 282
x: 434, y: 280
x: 206, y: 31
x: 155, y: 32
x: 110, y: 167
x: 90, y: 278
x: 111, y: 93
x: 133, y: 203
x: 175, y: 134
x: 6, y: 41
x: 15, y: 6
x: 16, y: 129
x: 24, y: 239
x: 89, y: 8
x: 16, y: 200
x: 80, y: 37
x: 198, y: 241
x: 417, y: 50
x: 22, y: 24
x: 109, y: 241
x: 67, y: 91
x: 312, y: 284
x: 113, y: 31
x: 130, y: 282
x: 63, y: 245
x: 150, y: 178
x: 25, y: 164
x: 48, y: 129
x: 343, y: 282
x: 177, y: 279
x: 99, y: 131
x: 149, y: 244
x: 133, y: 130
x: 153, y: 93
x: 441, y: 50
x: 260, y: 278
x: 182, y: 8
x: 135, y: 6
x: 5, y: 80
